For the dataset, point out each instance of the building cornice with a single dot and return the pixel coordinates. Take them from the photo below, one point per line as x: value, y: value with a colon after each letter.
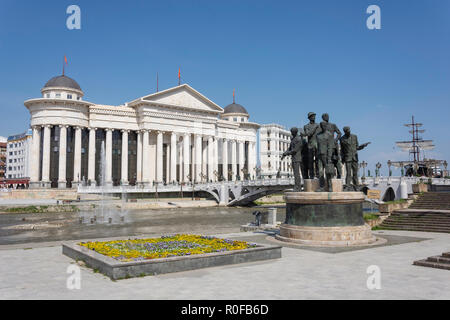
x: 54, y: 101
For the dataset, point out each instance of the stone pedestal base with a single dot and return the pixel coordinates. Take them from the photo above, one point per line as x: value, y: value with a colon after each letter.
x: 336, y: 185
x: 35, y: 185
x: 327, y: 236
x: 62, y: 184
x: 325, y: 219
x: 311, y: 185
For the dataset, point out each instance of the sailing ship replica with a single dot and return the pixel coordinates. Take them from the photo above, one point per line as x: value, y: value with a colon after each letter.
x: 416, y: 147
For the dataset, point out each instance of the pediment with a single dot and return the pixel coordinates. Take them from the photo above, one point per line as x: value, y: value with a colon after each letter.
x: 184, y: 97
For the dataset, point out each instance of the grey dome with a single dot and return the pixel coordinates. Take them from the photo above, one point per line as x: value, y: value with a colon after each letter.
x: 62, y: 81
x: 234, y: 108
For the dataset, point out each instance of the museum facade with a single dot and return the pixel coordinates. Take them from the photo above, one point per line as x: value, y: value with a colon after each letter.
x: 173, y: 136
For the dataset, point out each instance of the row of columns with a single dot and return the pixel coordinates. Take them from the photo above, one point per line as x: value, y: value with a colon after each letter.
x: 205, y: 158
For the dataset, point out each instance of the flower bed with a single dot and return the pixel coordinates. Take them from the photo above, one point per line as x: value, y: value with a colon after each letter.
x: 164, y: 247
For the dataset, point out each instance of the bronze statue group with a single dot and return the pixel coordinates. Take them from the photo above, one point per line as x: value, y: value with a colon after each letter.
x: 318, y: 154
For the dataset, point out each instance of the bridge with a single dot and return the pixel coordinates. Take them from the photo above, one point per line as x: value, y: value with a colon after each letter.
x: 241, y: 193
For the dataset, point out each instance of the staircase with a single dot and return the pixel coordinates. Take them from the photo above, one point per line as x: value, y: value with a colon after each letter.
x: 430, y: 212
x: 440, y: 262
x: 432, y: 201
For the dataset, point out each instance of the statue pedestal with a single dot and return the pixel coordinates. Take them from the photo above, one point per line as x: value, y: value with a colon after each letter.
x: 311, y: 185
x: 325, y: 219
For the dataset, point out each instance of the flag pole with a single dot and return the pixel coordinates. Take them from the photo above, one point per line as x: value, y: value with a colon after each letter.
x: 157, y: 82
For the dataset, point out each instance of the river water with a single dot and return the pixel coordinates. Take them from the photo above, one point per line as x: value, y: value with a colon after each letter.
x: 46, y: 227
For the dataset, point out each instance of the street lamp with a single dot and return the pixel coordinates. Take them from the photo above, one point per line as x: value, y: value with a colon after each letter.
x: 389, y: 163
x: 363, y: 165
x: 377, y: 171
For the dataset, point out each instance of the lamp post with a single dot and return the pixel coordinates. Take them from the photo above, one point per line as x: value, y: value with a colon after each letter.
x: 378, y: 166
x: 245, y: 173
x: 363, y: 165
x: 389, y: 163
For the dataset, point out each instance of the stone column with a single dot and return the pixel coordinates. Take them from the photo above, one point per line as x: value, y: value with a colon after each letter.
x: 159, y: 157
x: 233, y: 160
x: 145, y: 158
x: 35, y: 152
x: 108, y: 157
x: 62, y: 183
x: 139, y: 158
x: 91, y: 159
x: 124, y: 168
x: 186, y: 156
x: 241, y: 159
x: 167, y: 180
x: 204, y: 159
x: 46, y: 158
x: 252, y: 159
x: 215, y: 159
x: 225, y: 159
x: 77, y: 159
x: 173, y: 157
x: 210, y: 159
x: 198, y: 157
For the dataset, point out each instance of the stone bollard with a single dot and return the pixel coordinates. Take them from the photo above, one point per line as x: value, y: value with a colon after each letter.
x: 272, y: 216
x: 311, y: 185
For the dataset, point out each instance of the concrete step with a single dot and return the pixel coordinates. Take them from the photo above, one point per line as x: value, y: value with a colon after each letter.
x: 418, y: 223
x: 439, y: 259
x: 428, y: 226
x: 420, y: 218
x: 409, y: 228
x: 426, y: 263
x: 421, y: 215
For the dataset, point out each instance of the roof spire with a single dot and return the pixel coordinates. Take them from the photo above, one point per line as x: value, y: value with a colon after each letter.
x: 64, y: 63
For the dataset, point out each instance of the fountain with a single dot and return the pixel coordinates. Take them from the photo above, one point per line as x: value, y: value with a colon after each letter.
x: 105, y: 212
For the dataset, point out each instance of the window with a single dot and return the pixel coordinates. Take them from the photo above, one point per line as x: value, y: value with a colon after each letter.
x: 235, y: 119
x: 69, y: 96
x: 58, y: 95
x: 47, y: 95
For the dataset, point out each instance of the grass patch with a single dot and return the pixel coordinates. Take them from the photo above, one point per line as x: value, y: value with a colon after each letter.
x: 40, y: 209
x: 260, y: 203
x: 29, y: 209
x: 370, y: 216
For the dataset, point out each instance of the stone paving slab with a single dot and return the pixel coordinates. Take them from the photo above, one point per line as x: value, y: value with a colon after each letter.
x: 299, y: 274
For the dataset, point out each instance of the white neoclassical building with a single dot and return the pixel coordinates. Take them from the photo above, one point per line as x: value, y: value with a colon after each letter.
x: 274, y: 140
x: 172, y: 136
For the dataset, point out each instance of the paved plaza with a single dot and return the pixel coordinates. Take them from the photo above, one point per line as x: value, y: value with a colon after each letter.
x: 39, y: 271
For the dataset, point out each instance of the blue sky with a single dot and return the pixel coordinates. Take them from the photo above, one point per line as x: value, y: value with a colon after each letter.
x: 285, y: 58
